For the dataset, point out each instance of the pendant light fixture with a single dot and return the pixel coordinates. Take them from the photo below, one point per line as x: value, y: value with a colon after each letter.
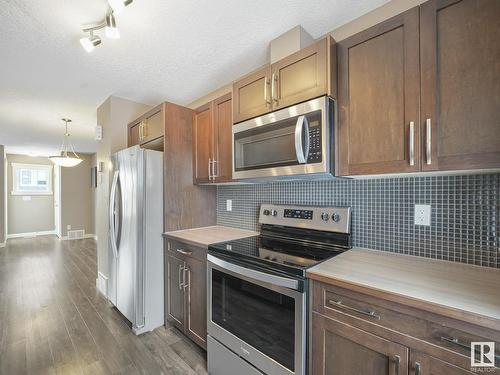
x: 68, y: 156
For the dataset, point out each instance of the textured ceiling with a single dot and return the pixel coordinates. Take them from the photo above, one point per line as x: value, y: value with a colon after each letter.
x: 169, y: 50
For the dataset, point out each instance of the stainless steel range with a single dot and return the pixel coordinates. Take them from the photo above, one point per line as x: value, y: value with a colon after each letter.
x: 257, y: 289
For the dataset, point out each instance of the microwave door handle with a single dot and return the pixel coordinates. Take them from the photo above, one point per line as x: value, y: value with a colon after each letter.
x: 301, y: 151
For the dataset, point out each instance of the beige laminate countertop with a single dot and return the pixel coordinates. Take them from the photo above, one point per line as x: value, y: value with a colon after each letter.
x: 208, y: 235
x: 466, y: 292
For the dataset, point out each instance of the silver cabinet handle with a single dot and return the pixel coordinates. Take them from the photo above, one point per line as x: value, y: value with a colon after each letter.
x: 266, y: 83
x: 412, y: 143
x: 428, y: 141
x: 397, y: 364
x: 274, y: 79
x: 214, y: 171
x: 140, y: 131
x: 418, y: 368
x: 182, y: 251
x: 209, y: 169
x: 455, y: 341
x: 186, y: 284
x: 145, y: 129
x: 181, y: 269
x: 370, y: 313
x: 299, y: 150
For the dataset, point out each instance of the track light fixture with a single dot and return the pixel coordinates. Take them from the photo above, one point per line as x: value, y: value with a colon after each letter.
x: 108, y: 24
x: 90, y: 42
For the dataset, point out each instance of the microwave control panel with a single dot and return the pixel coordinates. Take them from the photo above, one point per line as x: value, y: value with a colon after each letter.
x: 314, y: 142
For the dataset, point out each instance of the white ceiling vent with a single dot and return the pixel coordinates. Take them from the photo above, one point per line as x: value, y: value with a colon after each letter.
x: 76, y: 234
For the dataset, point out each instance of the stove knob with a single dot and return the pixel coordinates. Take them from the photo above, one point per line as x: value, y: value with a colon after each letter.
x: 335, y: 217
x: 274, y: 213
x: 325, y: 216
x: 266, y: 212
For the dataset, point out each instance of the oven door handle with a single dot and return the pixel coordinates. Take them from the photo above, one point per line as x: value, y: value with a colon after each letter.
x: 302, y: 154
x: 253, y: 274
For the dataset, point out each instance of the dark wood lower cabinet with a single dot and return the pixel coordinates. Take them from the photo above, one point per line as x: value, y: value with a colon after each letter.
x: 345, y: 350
x: 423, y: 364
x: 186, y: 290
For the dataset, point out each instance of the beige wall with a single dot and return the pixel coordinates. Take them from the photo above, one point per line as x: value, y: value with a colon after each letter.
x: 2, y: 196
x: 367, y: 20
x: 113, y: 115
x: 26, y: 216
x: 77, y: 205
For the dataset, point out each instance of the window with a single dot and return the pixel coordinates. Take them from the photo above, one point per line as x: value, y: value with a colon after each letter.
x: 31, y: 179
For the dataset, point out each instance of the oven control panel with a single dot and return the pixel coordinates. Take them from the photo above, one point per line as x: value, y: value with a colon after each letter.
x: 298, y: 214
x: 332, y: 219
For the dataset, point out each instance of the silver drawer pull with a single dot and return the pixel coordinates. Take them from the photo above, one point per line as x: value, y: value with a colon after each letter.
x: 455, y: 341
x: 182, y: 251
x: 369, y: 313
x: 418, y: 368
x: 397, y: 363
x: 180, y: 275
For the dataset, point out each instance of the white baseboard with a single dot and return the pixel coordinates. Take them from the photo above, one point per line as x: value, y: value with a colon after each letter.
x: 101, y: 284
x: 65, y: 238
x: 30, y: 234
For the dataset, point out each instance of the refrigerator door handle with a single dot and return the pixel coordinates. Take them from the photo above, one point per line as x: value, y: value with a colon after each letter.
x: 112, y: 214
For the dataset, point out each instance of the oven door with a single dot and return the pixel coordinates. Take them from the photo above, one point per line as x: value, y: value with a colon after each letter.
x: 259, y: 316
x: 288, y: 142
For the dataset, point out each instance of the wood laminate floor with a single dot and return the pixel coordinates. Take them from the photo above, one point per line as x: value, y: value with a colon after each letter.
x: 53, y: 320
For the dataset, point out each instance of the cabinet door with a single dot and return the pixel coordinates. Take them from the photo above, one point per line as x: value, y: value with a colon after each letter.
x: 460, y: 84
x: 196, y: 301
x: 153, y: 127
x: 202, y: 144
x: 423, y: 364
x: 252, y: 95
x: 134, y: 134
x: 339, y: 349
x: 175, y: 287
x: 223, y: 124
x: 300, y: 76
x: 379, y: 98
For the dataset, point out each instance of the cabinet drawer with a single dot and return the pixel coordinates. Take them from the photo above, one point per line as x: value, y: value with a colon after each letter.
x: 398, y: 322
x: 183, y: 250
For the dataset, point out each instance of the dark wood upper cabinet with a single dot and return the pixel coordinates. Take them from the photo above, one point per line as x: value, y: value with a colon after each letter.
x: 252, y: 95
x: 223, y: 122
x: 304, y: 75
x: 423, y: 364
x: 148, y: 129
x: 379, y: 98
x: 460, y: 54
x: 342, y: 349
x: 212, y: 141
x: 203, y: 148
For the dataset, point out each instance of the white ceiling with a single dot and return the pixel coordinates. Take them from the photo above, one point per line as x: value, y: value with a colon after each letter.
x: 169, y: 50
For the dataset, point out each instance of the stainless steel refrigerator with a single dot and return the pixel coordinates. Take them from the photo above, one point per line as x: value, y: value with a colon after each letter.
x: 135, y: 285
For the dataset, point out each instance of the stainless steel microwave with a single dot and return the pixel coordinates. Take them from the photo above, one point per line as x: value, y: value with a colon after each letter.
x: 294, y: 142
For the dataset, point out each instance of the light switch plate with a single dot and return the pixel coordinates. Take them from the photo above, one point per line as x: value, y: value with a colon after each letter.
x: 26, y: 197
x: 229, y: 205
x: 68, y: 227
x: 423, y: 214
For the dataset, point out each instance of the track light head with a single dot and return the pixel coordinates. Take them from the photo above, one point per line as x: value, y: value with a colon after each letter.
x: 90, y: 42
x: 111, y: 30
x: 118, y: 5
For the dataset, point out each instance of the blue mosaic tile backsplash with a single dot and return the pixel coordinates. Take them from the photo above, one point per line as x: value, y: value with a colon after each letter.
x: 465, y: 212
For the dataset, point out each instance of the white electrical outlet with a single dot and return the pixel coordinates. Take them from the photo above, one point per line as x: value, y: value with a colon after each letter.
x: 68, y: 227
x: 423, y: 214
x: 229, y: 205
